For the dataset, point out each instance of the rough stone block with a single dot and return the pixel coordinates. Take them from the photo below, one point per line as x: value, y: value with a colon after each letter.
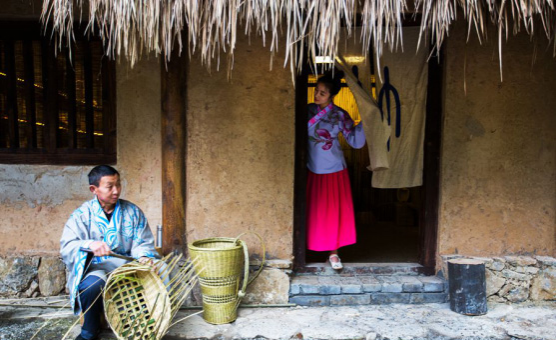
x: 506, y: 289
x: 52, y: 276
x: 518, y: 294
x: 387, y: 298
x: 310, y: 300
x: 33, y: 289
x: 543, y: 287
x: 432, y: 284
x: 532, y: 270
x: 510, y: 274
x: 486, y: 260
x: 390, y: 284
x: 305, y: 285
x: 329, y: 285
x: 497, y: 265
x: 428, y: 298
x: 493, y: 282
x: 278, y: 264
x: 370, y: 284
x: 270, y: 287
x: 16, y: 274
x: 521, y: 260
x: 295, y: 289
x: 351, y: 285
x: 350, y: 299
x: 546, y: 261
x: 411, y: 284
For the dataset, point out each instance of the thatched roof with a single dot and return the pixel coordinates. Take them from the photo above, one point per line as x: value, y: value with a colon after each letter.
x: 130, y: 27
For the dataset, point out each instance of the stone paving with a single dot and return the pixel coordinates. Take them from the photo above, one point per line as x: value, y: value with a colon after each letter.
x: 431, y: 321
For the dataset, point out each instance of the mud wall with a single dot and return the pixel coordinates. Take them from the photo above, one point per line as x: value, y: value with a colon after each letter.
x: 35, y: 201
x: 240, y: 150
x: 498, y: 186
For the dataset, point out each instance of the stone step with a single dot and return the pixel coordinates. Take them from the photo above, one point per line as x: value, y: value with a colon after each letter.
x: 320, y: 290
x: 356, y: 269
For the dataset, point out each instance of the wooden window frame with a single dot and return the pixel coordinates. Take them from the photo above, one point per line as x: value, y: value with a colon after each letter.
x: 51, y: 153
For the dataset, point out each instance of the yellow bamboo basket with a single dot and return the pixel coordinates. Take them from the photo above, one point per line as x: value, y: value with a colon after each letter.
x: 221, y: 264
x: 140, y: 301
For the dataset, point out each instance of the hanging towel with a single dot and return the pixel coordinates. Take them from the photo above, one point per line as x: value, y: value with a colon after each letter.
x: 408, y: 75
x: 376, y: 130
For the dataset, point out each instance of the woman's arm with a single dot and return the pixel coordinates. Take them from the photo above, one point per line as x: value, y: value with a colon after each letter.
x: 353, y: 134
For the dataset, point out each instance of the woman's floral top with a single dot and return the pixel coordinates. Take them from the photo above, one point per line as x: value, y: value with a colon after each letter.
x: 325, y: 153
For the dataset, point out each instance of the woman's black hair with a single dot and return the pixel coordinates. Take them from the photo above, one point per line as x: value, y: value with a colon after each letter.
x: 332, y: 83
x: 100, y: 171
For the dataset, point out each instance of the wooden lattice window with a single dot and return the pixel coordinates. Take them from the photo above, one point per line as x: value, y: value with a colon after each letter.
x: 54, y: 109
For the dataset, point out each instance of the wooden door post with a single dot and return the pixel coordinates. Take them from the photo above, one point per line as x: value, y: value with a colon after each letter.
x: 174, y: 126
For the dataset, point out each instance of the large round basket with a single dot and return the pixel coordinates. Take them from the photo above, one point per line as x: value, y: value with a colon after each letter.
x: 140, y: 301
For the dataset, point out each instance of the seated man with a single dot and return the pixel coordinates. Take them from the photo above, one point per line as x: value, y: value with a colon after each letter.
x: 104, y: 224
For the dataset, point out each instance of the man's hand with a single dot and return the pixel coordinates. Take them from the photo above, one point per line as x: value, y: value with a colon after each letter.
x: 100, y: 248
x: 146, y: 260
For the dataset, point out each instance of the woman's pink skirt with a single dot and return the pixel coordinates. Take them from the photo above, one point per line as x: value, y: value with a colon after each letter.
x: 330, y: 217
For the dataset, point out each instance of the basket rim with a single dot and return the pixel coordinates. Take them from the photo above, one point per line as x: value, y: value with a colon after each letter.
x: 236, y: 243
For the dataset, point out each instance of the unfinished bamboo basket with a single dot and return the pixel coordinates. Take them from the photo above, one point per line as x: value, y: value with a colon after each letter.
x: 140, y: 301
x: 221, y: 263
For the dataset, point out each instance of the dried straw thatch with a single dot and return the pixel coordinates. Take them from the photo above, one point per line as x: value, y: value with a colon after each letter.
x: 129, y: 27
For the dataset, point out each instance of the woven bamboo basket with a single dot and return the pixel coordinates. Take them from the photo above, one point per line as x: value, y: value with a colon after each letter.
x: 222, y: 263
x: 140, y: 301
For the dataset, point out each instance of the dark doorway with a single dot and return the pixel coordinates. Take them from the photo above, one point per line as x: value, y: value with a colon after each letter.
x: 393, y: 225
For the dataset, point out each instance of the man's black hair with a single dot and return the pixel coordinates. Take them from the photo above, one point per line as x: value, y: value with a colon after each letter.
x: 100, y: 171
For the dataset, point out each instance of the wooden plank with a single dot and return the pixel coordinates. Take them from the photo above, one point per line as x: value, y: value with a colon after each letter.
x: 89, y: 110
x: 174, y: 128
x: 431, y: 173
x: 50, y: 96
x: 4, y: 134
x: 109, y: 106
x: 300, y: 171
x: 40, y: 156
x: 11, y: 95
x: 71, y: 102
x: 29, y: 67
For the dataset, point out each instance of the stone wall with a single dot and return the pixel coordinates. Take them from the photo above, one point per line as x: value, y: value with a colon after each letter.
x: 31, y: 276
x: 517, y: 278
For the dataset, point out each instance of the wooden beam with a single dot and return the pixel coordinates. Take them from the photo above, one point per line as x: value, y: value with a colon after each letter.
x: 4, y: 131
x: 174, y: 127
x: 431, y: 173
x: 300, y: 174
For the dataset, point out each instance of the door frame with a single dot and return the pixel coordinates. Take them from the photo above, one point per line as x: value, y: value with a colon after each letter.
x: 428, y: 216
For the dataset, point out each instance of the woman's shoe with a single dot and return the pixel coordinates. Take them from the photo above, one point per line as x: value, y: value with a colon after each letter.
x: 335, y: 264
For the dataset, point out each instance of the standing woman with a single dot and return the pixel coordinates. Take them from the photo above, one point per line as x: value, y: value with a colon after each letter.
x: 330, y: 216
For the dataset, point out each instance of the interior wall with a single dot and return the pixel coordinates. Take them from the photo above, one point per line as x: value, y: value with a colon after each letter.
x: 240, y: 150
x: 36, y: 200
x: 498, y: 177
